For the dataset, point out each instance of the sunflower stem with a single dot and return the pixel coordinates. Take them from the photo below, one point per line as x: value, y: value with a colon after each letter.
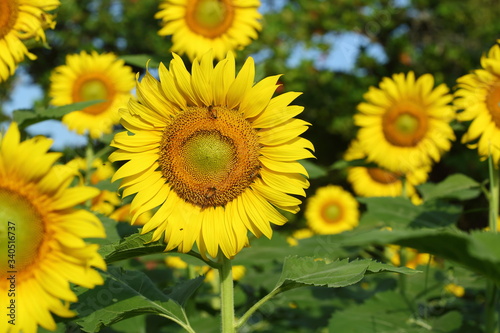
x: 491, y: 314
x: 226, y: 294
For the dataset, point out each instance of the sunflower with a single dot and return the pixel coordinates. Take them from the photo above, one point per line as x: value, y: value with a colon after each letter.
x: 21, y: 20
x: 378, y: 182
x: 197, y: 26
x: 45, y: 232
x: 87, y: 77
x: 478, y: 95
x: 218, y: 154
x: 106, y: 201
x: 332, y: 210
x: 404, y: 124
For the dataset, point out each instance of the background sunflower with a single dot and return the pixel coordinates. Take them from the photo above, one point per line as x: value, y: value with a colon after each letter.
x: 88, y: 77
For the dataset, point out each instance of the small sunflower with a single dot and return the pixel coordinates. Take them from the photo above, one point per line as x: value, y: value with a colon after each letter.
x: 332, y: 210
x: 21, y: 20
x: 303, y: 233
x: 404, y: 124
x: 38, y: 217
x: 478, y: 95
x: 378, y: 182
x: 106, y: 201
x: 215, y: 152
x: 198, y: 26
x: 87, y: 77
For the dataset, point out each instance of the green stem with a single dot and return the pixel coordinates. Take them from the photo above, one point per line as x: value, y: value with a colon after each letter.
x: 226, y: 294
x: 491, y: 314
x: 263, y: 300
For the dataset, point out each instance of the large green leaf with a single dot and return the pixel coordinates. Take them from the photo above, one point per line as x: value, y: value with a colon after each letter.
x: 478, y: 251
x: 456, y: 186
x: 389, y: 312
x: 400, y: 212
x: 126, y: 294
x: 300, y: 271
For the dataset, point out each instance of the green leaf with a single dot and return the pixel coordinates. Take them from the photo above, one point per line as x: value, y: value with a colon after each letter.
x: 314, y: 170
x: 20, y: 116
x: 133, y: 246
x: 140, y: 60
x: 125, y: 294
x: 478, y: 251
x: 457, y: 186
x: 58, y: 112
x: 400, y: 212
x: 309, y: 271
x: 389, y: 312
x: 25, y: 118
x: 185, y: 290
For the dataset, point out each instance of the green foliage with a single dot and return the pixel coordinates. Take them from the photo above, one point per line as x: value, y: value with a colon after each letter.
x: 127, y: 294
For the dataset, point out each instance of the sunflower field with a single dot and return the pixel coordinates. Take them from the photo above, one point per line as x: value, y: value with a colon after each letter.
x: 249, y: 166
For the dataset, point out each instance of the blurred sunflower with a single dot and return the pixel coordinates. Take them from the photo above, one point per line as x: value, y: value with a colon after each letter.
x: 217, y: 153
x: 404, y: 124
x: 298, y: 235
x: 21, y: 20
x: 197, y: 26
x: 377, y: 182
x: 38, y: 217
x: 478, y: 95
x: 106, y: 201
x: 331, y: 210
x: 87, y: 77
x: 413, y: 258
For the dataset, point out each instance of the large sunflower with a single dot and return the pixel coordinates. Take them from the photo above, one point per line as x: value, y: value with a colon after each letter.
x: 217, y: 153
x: 87, y: 77
x: 404, y: 124
x: 197, y: 26
x: 373, y: 181
x: 44, y: 234
x: 479, y: 98
x: 332, y: 210
x: 21, y: 20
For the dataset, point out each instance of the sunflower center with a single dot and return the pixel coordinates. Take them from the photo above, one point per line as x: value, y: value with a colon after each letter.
x: 9, y: 11
x: 209, y: 18
x: 331, y: 212
x: 493, y: 103
x: 382, y: 176
x: 209, y: 155
x: 405, y: 124
x: 21, y: 231
x: 93, y: 87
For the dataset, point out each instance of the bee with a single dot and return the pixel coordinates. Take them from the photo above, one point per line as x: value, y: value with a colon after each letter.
x: 212, y: 111
x: 210, y: 192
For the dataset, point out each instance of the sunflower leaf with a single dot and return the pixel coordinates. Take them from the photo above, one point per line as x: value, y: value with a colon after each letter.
x: 133, y: 246
x: 389, y: 312
x: 477, y: 251
x: 302, y: 271
x: 456, y: 186
x: 141, y: 60
x: 25, y: 118
x: 400, y: 212
x: 125, y: 294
